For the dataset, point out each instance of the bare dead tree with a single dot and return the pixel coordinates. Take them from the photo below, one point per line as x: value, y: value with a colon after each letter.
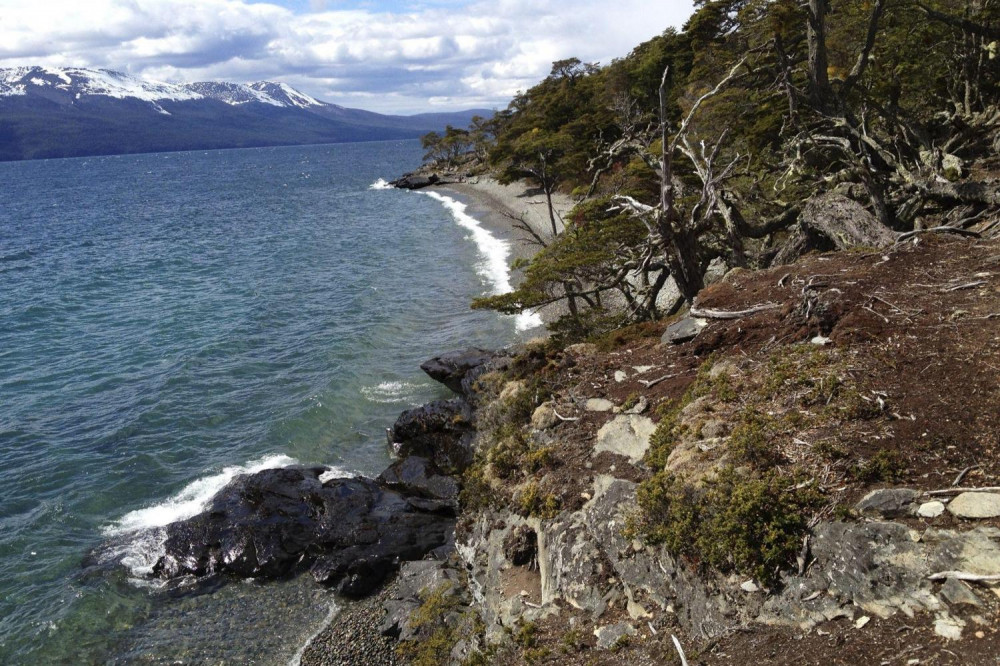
x: 674, y: 236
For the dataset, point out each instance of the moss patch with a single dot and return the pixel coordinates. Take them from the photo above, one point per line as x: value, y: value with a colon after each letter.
x: 437, y: 639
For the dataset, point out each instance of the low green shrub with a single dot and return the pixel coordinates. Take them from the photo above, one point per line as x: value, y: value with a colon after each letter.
x: 753, y: 526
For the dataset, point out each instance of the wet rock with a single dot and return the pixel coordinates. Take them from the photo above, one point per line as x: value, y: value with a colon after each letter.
x: 452, y: 368
x: 608, y: 636
x: 441, y: 431
x: 684, y: 330
x: 626, y: 435
x: 975, y: 505
x: 419, y: 476
x: 412, y: 181
x: 353, y: 532
x: 887, y: 502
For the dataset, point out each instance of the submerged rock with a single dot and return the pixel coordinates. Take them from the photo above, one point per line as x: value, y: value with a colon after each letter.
x: 351, y: 532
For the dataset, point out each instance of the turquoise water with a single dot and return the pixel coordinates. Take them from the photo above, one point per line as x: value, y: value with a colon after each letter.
x: 169, y: 320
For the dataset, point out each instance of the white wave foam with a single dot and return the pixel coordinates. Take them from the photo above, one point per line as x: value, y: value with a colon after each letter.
x: 296, y: 659
x: 495, y: 252
x: 380, y: 184
x: 335, y: 473
x: 391, y: 392
x: 138, y: 537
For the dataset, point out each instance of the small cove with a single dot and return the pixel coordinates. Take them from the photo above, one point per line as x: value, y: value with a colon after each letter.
x: 168, y: 320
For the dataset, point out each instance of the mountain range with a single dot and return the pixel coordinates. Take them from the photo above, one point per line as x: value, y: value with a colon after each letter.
x: 48, y: 112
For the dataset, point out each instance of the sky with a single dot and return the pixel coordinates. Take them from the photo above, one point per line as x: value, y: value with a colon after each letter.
x: 390, y: 56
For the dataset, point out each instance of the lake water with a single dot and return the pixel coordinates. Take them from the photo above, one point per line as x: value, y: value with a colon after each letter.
x: 170, y: 320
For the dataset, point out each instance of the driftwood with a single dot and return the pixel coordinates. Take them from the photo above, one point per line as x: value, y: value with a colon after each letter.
x: 706, y: 313
x: 939, y: 230
x: 565, y: 418
x: 964, y: 575
x: 958, y: 491
x: 970, y: 285
x: 680, y: 650
x: 961, y: 475
x: 654, y: 382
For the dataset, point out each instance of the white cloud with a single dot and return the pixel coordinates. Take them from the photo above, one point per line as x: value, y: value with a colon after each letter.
x: 474, y: 54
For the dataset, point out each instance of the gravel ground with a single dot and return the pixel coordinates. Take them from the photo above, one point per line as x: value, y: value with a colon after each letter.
x: 353, y: 638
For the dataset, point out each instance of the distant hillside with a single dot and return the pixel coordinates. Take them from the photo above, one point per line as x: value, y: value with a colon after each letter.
x: 50, y: 112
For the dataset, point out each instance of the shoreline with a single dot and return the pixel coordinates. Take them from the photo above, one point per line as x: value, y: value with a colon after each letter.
x: 505, y: 202
x: 497, y: 207
x: 352, y: 635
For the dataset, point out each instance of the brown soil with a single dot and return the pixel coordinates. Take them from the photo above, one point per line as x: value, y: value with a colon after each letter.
x: 900, y: 328
x: 913, y: 331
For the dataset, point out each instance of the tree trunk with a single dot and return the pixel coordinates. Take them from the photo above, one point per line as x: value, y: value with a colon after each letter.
x: 819, y: 78
x: 552, y: 213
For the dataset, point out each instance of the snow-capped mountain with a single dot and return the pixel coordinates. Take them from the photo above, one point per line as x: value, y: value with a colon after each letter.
x: 73, y: 111
x: 78, y: 82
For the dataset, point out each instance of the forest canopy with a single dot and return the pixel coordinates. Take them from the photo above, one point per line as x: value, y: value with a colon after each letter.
x: 762, y: 130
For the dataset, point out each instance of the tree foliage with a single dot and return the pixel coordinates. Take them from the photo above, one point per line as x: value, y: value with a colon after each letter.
x: 708, y: 142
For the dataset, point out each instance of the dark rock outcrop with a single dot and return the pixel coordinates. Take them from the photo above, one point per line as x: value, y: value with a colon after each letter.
x: 351, y: 532
x: 413, y: 181
x: 452, y: 368
x: 441, y: 431
x: 416, y: 475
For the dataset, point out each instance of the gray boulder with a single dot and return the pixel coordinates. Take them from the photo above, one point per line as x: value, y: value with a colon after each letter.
x: 626, y: 435
x: 975, y: 505
x: 684, y: 330
x: 416, y: 579
x: 843, y: 222
x: 888, y: 502
x: 610, y: 635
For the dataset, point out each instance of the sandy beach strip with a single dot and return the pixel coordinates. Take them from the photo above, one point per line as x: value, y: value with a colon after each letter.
x: 502, y: 204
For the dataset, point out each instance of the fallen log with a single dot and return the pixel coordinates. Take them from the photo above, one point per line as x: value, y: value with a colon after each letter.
x: 707, y: 313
